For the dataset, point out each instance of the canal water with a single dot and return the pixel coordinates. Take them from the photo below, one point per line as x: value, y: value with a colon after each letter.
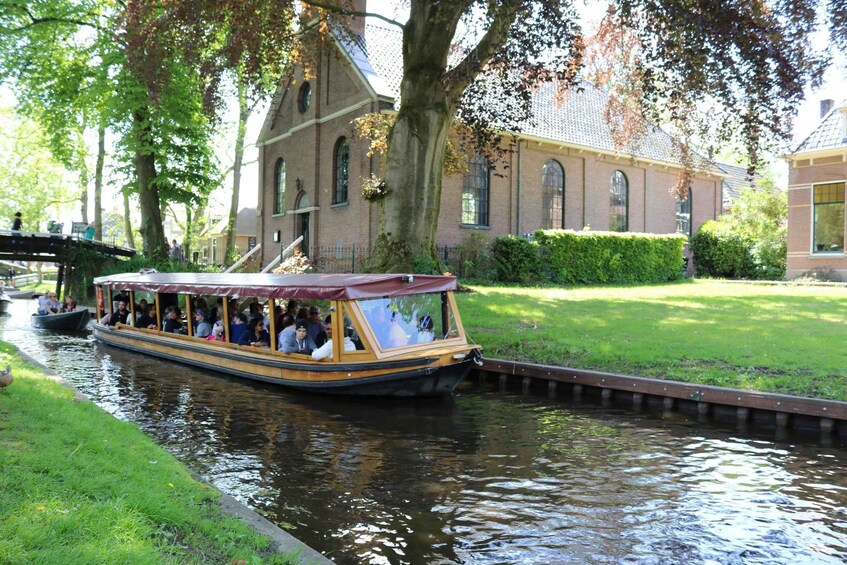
x: 481, y: 478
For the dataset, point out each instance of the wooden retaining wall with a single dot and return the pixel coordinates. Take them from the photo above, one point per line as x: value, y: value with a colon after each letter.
x: 782, y: 411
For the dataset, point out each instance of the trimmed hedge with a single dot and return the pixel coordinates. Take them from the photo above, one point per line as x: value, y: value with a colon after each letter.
x: 516, y: 259
x: 720, y: 252
x: 590, y: 257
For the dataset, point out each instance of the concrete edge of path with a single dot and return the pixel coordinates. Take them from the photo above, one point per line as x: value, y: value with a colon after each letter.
x: 280, y: 540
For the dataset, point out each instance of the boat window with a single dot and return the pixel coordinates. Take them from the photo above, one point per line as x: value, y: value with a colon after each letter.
x: 408, y: 320
x: 352, y: 330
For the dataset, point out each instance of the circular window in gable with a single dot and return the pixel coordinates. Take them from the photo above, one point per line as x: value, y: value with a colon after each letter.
x: 304, y: 98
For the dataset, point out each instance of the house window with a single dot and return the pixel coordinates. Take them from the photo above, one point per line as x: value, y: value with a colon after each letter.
x: 618, y: 202
x: 279, y: 187
x: 553, y: 188
x: 304, y: 97
x: 475, y: 193
x: 829, y: 218
x: 683, y: 212
x: 342, y: 171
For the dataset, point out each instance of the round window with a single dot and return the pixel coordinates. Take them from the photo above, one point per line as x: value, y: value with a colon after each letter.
x: 305, y: 97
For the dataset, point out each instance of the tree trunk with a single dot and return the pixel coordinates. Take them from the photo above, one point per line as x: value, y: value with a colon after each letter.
x: 243, y: 114
x: 417, y: 143
x: 130, y: 237
x: 152, y: 229
x: 98, y: 181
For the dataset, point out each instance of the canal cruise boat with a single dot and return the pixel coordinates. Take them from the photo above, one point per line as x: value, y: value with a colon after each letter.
x: 395, y: 335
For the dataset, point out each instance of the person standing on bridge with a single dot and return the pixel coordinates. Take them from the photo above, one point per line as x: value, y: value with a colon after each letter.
x: 16, y: 228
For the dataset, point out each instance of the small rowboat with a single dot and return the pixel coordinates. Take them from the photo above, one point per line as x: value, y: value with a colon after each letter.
x: 395, y: 335
x: 73, y: 321
x: 24, y: 294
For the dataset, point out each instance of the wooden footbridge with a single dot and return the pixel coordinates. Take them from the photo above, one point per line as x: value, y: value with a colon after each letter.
x: 53, y: 248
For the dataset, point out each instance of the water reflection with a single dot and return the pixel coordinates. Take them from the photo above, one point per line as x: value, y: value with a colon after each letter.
x: 481, y: 478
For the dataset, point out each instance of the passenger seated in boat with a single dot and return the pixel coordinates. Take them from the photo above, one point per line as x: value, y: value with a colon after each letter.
x: 257, y: 338
x: 291, y: 308
x: 68, y: 305
x: 203, y: 328
x: 171, y: 324
x: 147, y: 318
x: 238, y: 327
x: 287, y: 325
x: 325, y: 351
x: 217, y: 332
x: 46, y: 305
x: 315, y: 327
x: 378, y: 321
x: 120, y: 315
x: 425, y: 333
x: 299, y: 341
x: 397, y: 336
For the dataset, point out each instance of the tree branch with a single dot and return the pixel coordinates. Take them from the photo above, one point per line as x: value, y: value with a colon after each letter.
x: 345, y: 12
x: 464, y: 73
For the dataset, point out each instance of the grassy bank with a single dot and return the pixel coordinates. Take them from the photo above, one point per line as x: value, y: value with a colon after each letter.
x: 784, y: 339
x: 78, y: 486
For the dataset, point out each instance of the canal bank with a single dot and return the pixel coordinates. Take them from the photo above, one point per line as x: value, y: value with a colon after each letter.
x: 722, y: 404
x: 32, y: 506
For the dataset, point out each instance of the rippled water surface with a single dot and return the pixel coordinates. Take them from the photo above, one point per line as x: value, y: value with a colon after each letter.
x: 483, y: 477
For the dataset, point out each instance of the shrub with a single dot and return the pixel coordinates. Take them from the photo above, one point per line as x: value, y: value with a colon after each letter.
x: 588, y: 257
x: 516, y: 260
x: 472, y: 258
x: 720, y: 253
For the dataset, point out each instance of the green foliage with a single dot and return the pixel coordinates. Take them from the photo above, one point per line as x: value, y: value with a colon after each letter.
x: 33, y: 182
x: 749, y: 242
x: 588, y: 257
x: 139, y: 262
x: 472, y: 258
x: 721, y: 253
x: 516, y: 260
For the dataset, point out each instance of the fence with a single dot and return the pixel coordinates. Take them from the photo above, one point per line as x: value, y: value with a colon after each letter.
x: 355, y: 259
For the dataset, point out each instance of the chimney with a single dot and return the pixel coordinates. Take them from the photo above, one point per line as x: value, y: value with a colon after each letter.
x: 826, y: 106
x: 356, y: 24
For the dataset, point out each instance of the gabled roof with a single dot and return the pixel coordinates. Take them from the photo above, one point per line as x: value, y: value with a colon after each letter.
x: 577, y: 119
x: 245, y: 224
x: 829, y: 133
x: 735, y: 181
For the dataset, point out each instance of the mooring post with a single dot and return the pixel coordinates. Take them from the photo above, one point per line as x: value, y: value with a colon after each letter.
x: 703, y: 408
x: 637, y: 400
x: 668, y: 403
x: 827, y: 425
x: 503, y: 379
x: 742, y: 413
x: 782, y: 419
x: 577, y: 390
x: 551, y: 388
x: 606, y: 396
x: 525, y: 383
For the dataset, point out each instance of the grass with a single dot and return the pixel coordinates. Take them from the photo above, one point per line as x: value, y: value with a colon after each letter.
x: 79, y: 486
x: 785, y: 339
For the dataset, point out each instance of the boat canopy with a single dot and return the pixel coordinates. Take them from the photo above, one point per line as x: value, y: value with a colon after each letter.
x: 301, y: 287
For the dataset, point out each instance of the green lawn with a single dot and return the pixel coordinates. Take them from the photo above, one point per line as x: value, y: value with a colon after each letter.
x: 79, y: 486
x: 785, y: 339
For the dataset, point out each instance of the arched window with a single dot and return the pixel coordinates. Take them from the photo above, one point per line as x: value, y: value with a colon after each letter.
x: 553, y: 187
x: 279, y: 187
x: 341, y: 176
x: 475, y: 193
x: 618, y: 202
x: 683, y: 212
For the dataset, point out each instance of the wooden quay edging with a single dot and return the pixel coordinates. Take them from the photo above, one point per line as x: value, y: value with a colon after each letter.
x: 780, y: 409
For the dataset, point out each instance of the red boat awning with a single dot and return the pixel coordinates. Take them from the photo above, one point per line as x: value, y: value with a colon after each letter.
x: 302, y: 287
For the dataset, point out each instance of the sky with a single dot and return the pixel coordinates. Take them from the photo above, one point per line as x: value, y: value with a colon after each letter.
x: 834, y: 87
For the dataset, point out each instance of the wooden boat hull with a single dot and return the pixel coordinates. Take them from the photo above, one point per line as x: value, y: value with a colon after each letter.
x: 74, y: 321
x: 433, y: 376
